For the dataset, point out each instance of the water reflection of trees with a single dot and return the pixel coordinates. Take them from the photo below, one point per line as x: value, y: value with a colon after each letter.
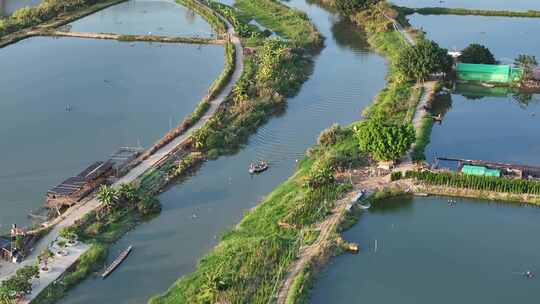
x: 524, y: 99
x: 441, y: 104
x: 394, y: 204
x: 347, y: 35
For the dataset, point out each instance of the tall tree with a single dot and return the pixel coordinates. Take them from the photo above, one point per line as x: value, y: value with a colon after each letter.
x: 476, y: 53
x: 527, y: 63
x: 108, y: 196
x: 384, y: 141
x: 425, y: 58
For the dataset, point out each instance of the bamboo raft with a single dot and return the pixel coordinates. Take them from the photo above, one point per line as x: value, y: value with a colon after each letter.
x: 117, y: 262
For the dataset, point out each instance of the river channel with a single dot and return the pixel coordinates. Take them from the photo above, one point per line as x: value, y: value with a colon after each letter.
x: 69, y: 102
x: 345, y: 78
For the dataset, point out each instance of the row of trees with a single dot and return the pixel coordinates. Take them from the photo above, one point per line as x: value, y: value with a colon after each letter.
x: 347, y: 7
x: 497, y: 184
x: 127, y: 196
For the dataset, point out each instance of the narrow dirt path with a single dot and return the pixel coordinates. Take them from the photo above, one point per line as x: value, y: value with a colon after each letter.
x: 149, y: 38
x: 322, y: 245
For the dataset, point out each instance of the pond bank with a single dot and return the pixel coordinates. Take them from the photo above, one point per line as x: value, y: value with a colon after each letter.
x: 79, y: 213
x: 147, y: 38
x: 55, y: 22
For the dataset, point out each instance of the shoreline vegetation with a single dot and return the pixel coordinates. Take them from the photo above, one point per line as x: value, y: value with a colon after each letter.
x: 467, y: 12
x: 251, y: 261
x: 30, y: 21
x: 131, y: 204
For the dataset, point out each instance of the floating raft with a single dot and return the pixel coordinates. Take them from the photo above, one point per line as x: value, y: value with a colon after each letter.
x: 117, y: 262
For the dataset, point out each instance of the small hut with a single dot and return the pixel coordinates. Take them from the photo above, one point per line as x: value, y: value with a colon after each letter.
x: 76, y: 187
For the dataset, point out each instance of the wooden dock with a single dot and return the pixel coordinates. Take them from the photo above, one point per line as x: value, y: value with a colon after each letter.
x: 117, y: 262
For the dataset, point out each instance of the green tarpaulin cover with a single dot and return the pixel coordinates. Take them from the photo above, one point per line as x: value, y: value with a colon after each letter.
x: 479, y: 170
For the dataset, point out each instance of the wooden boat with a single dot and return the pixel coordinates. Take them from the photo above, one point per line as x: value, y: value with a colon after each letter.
x: 117, y: 262
x: 258, y: 168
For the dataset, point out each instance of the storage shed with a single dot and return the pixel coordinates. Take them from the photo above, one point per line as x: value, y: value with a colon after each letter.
x: 480, y: 171
x: 488, y: 73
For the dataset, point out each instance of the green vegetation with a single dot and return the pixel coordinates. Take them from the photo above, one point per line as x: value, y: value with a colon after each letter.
x: 384, y: 141
x: 423, y: 136
x: 478, y: 54
x: 346, y: 7
x: 423, y: 59
x: 121, y: 210
x: 487, y: 183
x: 466, y: 11
x: 17, y: 285
x: 527, y: 63
x: 274, y: 72
x: 298, y: 293
x: 291, y: 24
x: 89, y: 262
x: 48, y: 9
x: 248, y: 264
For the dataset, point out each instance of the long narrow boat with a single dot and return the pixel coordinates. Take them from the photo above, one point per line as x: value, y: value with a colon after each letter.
x: 117, y: 262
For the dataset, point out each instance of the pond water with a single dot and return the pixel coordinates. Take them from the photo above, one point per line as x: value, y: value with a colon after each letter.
x: 480, y: 123
x: 121, y: 94
x: 198, y: 210
x: 145, y: 17
x: 514, y: 5
x: 428, y: 252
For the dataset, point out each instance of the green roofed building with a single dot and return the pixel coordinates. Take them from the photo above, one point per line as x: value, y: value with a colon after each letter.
x: 480, y: 171
x: 488, y: 73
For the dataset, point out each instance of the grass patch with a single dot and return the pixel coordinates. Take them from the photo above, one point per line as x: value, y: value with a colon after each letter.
x: 469, y: 12
x: 423, y: 136
x: 250, y: 261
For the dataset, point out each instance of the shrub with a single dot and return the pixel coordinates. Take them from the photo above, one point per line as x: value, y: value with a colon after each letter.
x: 478, y: 54
x: 384, y: 141
x: 425, y: 58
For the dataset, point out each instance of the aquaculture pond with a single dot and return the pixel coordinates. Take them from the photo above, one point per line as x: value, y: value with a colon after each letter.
x: 422, y: 250
x: 145, y: 17
x: 69, y: 102
x: 7, y: 7
x: 200, y: 209
x: 496, y: 124
x: 514, y: 5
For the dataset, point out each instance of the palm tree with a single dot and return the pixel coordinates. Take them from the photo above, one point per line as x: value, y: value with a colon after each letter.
x: 127, y: 193
x: 527, y: 63
x: 108, y: 197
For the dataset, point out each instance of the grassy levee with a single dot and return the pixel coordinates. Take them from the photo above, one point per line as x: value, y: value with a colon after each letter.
x: 468, y: 12
x: 63, y: 10
x: 423, y: 136
x: 396, y: 102
x: 250, y: 261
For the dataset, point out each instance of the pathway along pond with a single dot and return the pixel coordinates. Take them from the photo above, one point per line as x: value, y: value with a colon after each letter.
x: 429, y: 252
x: 120, y: 94
x: 471, y: 253
x: 346, y: 76
x: 481, y: 123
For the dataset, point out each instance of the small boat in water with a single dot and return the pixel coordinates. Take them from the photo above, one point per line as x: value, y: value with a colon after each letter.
x: 117, y: 262
x: 258, y: 167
